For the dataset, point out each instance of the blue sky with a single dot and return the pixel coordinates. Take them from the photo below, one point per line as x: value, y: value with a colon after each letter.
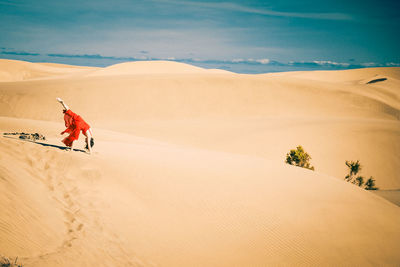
x: 241, y: 36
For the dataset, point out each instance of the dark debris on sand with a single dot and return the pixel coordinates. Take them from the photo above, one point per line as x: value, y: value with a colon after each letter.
x: 28, y: 136
x: 6, y: 262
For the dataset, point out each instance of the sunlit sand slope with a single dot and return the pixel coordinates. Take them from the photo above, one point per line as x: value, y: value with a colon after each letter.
x: 335, y: 116
x: 142, y: 202
x: 188, y: 167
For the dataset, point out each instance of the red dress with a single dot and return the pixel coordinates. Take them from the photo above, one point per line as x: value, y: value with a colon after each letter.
x: 75, y: 124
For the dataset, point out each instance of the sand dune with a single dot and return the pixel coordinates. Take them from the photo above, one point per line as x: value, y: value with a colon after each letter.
x: 347, y: 75
x: 152, y: 67
x: 15, y: 70
x: 188, y: 169
x: 334, y: 121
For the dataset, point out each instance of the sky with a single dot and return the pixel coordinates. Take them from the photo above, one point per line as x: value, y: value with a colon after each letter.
x: 240, y: 36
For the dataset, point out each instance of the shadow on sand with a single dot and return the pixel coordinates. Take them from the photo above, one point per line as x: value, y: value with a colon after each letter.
x: 44, y: 144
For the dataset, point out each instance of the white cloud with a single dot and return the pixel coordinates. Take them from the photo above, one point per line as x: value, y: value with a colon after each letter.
x: 369, y: 64
x: 323, y: 63
x: 250, y: 60
x: 392, y: 64
x: 263, y: 61
x: 330, y: 63
x: 267, y: 12
x: 237, y: 60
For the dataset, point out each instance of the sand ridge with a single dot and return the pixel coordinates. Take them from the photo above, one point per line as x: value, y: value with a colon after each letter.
x: 15, y: 70
x: 151, y: 68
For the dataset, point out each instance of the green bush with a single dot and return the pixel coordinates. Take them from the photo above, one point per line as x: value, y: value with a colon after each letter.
x: 354, y: 168
x: 370, y: 184
x: 299, y: 157
x: 5, y: 262
x: 359, y: 181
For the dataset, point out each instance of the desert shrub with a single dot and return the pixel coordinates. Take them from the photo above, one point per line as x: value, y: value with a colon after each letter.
x: 370, y: 184
x: 299, y: 157
x: 359, y: 181
x: 354, y: 168
x: 6, y: 262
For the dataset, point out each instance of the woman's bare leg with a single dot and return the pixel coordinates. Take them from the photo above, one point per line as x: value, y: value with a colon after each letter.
x: 88, y: 138
x: 88, y: 145
x: 72, y: 146
x: 62, y: 103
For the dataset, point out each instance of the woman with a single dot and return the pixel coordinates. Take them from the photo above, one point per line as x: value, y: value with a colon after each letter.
x: 75, y: 124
